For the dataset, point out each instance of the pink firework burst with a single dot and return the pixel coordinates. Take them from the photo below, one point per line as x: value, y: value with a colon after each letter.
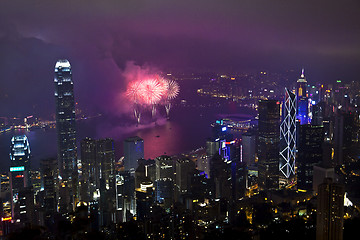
x: 152, y: 91
x: 133, y: 91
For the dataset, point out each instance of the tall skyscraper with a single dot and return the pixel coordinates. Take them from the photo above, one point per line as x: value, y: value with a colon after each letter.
x: 89, y: 169
x: 65, y: 119
x: 66, y: 133
x: 19, y: 172
x: 330, y: 211
x: 288, y: 135
x: 133, y: 151
x: 310, y: 152
x: 269, y: 138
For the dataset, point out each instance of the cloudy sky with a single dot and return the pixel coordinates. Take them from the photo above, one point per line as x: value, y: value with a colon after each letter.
x: 103, y: 38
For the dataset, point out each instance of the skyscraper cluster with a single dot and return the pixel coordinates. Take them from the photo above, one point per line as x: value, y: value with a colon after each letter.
x: 302, y: 150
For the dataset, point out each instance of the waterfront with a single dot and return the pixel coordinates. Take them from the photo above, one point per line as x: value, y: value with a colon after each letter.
x: 187, y: 129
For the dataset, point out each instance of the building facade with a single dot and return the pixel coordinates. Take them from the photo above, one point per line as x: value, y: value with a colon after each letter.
x: 66, y: 133
x: 268, y: 149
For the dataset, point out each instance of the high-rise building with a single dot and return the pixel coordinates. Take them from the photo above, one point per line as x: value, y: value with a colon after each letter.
x: 302, y: 100
x: 330, y: 211
x: 164, y: 183
x: 310, y: 152
x: 66, y: 134
x: 65, y: 119
x: 268, y: 149
x: 19, y: 171
x: 49, y: 173
x: 288, y: 136
x: 89, y: 169
x: 98, y: 176
x: 133, y: 151
x: 248, y: 148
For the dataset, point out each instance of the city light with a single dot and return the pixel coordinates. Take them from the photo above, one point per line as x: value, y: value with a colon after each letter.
x: 17, y: 169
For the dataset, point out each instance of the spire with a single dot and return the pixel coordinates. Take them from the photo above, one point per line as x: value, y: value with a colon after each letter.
x: 302, y: 73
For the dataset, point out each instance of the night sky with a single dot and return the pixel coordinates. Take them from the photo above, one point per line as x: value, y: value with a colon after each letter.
x: 106, y: 40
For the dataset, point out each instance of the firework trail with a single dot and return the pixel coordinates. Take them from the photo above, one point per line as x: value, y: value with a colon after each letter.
x: 172, y: 91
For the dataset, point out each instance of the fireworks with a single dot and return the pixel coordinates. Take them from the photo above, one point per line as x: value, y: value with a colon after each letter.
x: 151, y: 92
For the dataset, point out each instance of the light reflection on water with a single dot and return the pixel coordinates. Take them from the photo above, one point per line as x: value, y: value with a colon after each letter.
x: 187, y: 129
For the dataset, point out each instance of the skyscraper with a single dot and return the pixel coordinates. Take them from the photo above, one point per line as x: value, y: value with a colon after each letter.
x: 133, y: 151
x: 330, y: 211
x: 66, y: 130
x: 268, y: 150
x: 19, y: 172
x: 288, y: 135
x: 89, y: 169
x: 310, y: 153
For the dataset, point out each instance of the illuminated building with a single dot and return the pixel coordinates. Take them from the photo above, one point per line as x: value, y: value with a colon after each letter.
x: 66, y: 132
x: 98, y: 176
x: 268, y: 148
x: 133, y: 151
x: 302, y: 100
x: 330, y: 211
x: 19, y: 171
x: 288, y: 136
x: 164, y: 183
x: 310, y: 153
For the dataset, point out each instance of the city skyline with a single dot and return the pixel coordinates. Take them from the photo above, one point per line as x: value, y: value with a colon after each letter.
x: 262, y: 140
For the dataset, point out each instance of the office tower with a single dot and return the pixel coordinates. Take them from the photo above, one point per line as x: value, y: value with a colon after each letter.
x: 49, y: 171
x: 164, y: 183
x: 345, y: 134
x: 98, y: 176
x: 302, y: 100
x: 184, y: 170
x: 133, y: 151
x: 288, y: 136
x: 105, y: 157
x: 330, y: 211
x: 248, y: 148
x: 89, y: 170
x: 310, y: 152
x: 125, y: 196
x: 318, y: 114
x: 268, y: 149
x: 212, y: 146
x: 26, y: 205
x: 203, y: 165
x: 19, y: 171
x: 220, y: 172
x: 66, y: 133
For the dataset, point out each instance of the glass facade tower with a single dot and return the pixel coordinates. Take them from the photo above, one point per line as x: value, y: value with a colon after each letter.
x: 65, y: 119
x: 66, y: 136
x: 288, y: 135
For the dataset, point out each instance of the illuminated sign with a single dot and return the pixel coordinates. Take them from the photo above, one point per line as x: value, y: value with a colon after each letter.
x: 6, y: 219
x: 17, y: 169
x: 19, y: 176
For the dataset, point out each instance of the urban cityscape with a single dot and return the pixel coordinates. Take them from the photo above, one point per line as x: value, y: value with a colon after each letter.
x: 100, y: 141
